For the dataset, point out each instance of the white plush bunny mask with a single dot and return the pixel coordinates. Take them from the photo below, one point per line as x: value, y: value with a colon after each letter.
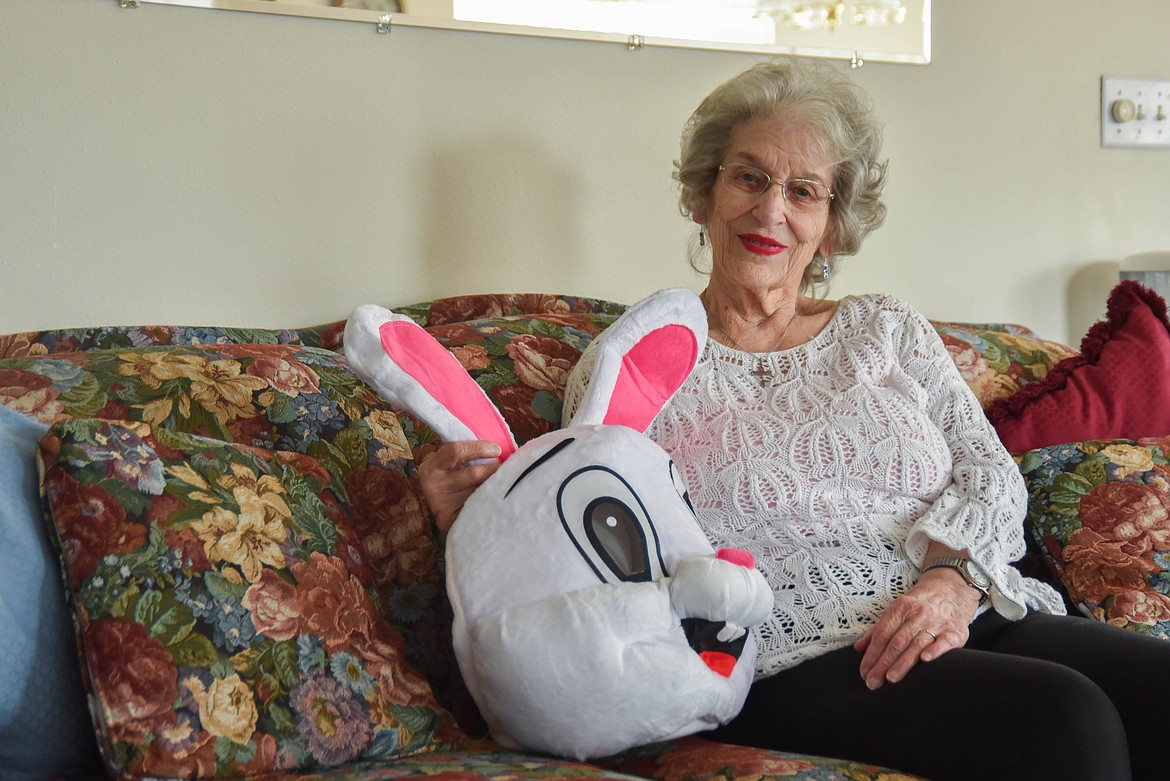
x: 590, y: 612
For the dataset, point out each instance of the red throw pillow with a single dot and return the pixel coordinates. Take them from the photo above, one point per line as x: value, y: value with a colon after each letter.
x: 1118, y: 387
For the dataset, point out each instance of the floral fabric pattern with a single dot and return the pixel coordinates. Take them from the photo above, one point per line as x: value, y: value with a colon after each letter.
x: 71, y: 340
x: 996, y: 360
x: 459, y: 309
x: 293, y: 398
x: 475, y: 761
x: 698, y: 759
x: 225, y: 608
x: 689, y: 759
x: 282, y: 397
x: 1100, y: 514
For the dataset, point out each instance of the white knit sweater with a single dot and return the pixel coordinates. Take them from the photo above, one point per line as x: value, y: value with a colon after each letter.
x: 838, y: 466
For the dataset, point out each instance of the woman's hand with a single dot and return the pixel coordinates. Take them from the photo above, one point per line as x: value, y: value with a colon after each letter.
x: 933, y: 617
x: 448, y: 476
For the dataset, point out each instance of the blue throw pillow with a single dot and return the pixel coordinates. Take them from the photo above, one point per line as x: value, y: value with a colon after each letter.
x: 45, y: 728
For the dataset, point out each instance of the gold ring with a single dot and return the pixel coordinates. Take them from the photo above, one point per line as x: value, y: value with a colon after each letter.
x: 932, y: 634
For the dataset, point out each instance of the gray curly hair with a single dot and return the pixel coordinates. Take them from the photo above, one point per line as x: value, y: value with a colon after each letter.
x: 843, y: 130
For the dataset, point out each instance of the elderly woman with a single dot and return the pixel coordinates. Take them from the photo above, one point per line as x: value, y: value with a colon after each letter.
x: 836, y: 441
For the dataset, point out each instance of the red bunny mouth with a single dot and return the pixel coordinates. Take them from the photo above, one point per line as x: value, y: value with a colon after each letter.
x: 703, y: 637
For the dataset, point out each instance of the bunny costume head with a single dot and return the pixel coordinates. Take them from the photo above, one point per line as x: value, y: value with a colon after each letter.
x: 591, y: 614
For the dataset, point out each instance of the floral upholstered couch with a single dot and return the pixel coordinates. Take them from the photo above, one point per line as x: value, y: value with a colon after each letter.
x: 224, y: 526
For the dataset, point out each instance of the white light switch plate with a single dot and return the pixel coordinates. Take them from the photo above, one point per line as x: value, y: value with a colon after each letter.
x: 1142, y: 122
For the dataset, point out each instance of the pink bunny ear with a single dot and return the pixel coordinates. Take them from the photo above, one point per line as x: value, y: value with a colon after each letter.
x: 411, y: 370
x: 642, y: 359
x: 445, y: 379
x: 650, y: 373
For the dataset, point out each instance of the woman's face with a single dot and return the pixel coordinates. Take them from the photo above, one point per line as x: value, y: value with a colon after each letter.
x: 762, y: 240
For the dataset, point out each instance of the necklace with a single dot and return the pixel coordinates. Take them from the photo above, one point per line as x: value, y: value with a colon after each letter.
x: 762, y: 373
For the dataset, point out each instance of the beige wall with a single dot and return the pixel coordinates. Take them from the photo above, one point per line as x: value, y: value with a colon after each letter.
x: 183, y: 165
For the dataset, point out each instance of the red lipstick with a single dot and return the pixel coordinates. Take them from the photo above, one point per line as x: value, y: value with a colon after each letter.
x: 760, y: 245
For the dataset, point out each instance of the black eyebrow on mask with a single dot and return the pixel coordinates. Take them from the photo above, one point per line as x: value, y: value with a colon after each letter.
x: 555, y: 449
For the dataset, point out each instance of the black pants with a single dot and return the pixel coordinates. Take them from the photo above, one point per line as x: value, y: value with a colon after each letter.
x: 1046, y: 697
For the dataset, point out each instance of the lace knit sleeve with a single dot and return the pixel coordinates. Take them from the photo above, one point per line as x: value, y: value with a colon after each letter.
x: 577, y: 382
x: 982, y: 511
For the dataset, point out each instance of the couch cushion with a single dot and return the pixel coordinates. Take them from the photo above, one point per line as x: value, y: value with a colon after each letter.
x: 478, y: 761
x: 998, y: 359
x: 71, y: 340
x: 1099, y: 513
x: 44, y: 725
x: 1116, y: 387
x: 268, y: 395
x: 225, y: 611
x: 275, y: 396
x: 461, y: 309
x: 699, y: 759
x: 689, y: 759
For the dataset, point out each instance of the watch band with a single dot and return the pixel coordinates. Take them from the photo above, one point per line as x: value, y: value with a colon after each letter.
x: 962, y: 566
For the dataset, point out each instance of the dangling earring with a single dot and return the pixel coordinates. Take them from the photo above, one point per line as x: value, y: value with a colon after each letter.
x: 825, y: 271
x: 702, y: 238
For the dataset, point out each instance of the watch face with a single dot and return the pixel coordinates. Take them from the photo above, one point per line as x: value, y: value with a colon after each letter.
x: 977, y: 574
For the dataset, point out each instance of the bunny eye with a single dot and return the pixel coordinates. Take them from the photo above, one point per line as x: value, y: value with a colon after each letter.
x: 615, y: 534
x: 609, y: 525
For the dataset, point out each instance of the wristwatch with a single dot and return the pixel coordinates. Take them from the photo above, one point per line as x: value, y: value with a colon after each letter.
x: 976, y: 577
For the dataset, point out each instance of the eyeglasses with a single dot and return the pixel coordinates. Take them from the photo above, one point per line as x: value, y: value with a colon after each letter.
x: 803, y: 195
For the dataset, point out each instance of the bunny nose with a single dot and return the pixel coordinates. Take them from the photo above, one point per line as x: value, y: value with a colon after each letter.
x: 736, y: 556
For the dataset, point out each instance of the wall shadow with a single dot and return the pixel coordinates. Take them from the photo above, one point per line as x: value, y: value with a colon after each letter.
x: 1088, y: 291
x: 500, y: 203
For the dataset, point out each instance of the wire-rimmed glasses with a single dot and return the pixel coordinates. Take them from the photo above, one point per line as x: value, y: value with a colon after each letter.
x: 804, y: 195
